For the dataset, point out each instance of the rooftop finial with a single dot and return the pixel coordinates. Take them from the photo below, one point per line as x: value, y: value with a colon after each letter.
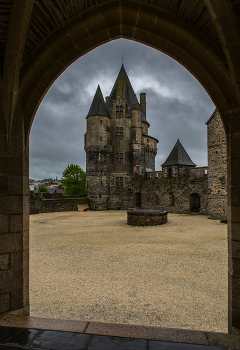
x: 122, y: 59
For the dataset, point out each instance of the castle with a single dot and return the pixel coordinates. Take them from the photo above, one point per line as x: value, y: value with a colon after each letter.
x: 120, y: 160
x: 118, y: 147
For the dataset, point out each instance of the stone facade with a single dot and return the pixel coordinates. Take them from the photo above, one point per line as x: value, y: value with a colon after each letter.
x: 176, y: 195
x: 217, y: 168
x: 120, y: 162
x: 118, y: 147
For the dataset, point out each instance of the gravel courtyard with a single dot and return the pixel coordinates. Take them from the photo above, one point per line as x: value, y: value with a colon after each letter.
x: 93, y: 266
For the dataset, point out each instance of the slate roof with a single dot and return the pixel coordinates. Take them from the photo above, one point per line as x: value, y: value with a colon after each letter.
x: 178, y: 156
x: 123, y: 88
x: 135, y: 105
x: 98, y: 106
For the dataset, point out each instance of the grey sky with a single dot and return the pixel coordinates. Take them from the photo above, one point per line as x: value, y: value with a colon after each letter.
x: 177, y: 106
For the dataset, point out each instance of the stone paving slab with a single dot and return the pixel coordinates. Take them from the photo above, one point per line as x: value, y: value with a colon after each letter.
x: 13, y: 326
x: 25, y: 338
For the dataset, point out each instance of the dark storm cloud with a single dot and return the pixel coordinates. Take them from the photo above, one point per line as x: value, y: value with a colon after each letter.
x: 177, y: 106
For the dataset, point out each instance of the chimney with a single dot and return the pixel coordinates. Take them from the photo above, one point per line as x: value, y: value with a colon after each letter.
x: 106, y: 98
x: 143, y: 102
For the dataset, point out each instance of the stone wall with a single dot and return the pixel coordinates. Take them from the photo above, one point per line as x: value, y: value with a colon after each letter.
x: 173, y: 195
x: 44, y: 205
x: 217, y: 168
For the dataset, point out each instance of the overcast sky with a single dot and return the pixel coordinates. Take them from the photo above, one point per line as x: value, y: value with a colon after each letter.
x: 177, y: 106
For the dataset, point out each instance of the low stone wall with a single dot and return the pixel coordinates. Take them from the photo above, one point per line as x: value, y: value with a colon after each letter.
x: 43, y: 205
x: 174, y: 195
x: 146, y: 217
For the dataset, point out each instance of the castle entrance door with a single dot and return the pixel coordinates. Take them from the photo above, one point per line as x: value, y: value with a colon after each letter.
x: 194, y: 202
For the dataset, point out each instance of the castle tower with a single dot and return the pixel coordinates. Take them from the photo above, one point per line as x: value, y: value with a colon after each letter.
x: 98, y: 149
x: 117, y: 145
x: 136, y: 138
x: 177, y: 163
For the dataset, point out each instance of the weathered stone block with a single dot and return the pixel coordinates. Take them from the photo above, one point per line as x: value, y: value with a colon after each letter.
x: 4, y: 261
x: 4, y: 223
x: 16, y: 259
x: 233, y: 318
x: 234, y: 291
x: 17, y: 300
x: 11, y: 205
x: 11, y: 242
x: 4, y: 303
x: 234, y: 267
x: 19, y: 223
x: 11, y: 280
x: 234, y: 249
x: 234, y: 230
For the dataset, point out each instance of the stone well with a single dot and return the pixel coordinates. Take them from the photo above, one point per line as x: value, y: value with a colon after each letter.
x: 146, y: 217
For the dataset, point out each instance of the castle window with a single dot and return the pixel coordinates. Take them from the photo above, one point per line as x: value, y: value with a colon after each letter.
x: 119, y: 133
x: 169, y: 171
x: 119, y: 158
x: 119, y: 183
x: 156, y: 175
x: 157, y: 201
x: 100, y: 138
x: 101, y: 121
x: 121, y: 111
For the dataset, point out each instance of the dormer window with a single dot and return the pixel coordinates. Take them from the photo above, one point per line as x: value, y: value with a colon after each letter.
x: 119, y: 112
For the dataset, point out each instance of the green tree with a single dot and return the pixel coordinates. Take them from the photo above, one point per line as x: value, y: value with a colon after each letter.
x: 74, y: 180
x: 43, y: 189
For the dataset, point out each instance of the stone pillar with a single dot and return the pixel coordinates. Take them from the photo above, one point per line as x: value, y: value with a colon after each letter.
x: 14, y: 220
x: 233, y: 197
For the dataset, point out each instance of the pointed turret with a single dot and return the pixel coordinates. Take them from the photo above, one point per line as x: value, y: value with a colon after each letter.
x: 135, y: 105
x: 123, y: 88
x: 178, y: 156
x: 98, y: 106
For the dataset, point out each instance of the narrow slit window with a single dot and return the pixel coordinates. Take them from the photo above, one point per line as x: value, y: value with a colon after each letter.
x: 121, y: 133
x: 121, y: 111
x: 117, y: 159
x: 117, y: 133
x: 117, y: 112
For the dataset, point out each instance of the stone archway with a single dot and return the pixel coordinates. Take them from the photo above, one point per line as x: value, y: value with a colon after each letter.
x: 41, y: 39
x: 195, y: 202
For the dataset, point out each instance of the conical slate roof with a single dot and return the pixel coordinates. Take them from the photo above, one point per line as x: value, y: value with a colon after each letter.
x: 135, y: 104
x: 123, y: 88
x: 178, y: 156
x: 98, y: 106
